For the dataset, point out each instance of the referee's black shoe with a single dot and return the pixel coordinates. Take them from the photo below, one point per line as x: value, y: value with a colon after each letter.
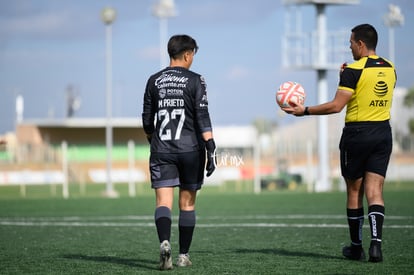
x: 354, y: 252
x: 375, y: 253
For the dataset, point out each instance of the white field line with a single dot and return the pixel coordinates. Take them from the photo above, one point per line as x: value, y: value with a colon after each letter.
x: 147, y: 221
x: 233, y: 225
x: 244, y: 217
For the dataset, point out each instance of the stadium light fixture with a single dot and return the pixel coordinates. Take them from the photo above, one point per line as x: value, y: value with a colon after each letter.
x: 394, y: 18
x: 164, y: 9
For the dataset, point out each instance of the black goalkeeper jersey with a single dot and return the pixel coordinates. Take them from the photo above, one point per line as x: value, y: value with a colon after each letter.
x: 175, y: 111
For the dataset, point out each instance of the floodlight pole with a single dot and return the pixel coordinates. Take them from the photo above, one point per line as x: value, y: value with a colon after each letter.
x: 108, y: 16
x: 19, y: 109
x: 323, y: 182
x: 394, y: 18
x: 163, y: 42
x: 164, y: 9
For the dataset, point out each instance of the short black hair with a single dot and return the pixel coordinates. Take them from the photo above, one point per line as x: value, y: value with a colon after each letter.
x: 181, y: 43
x: 366, y: 33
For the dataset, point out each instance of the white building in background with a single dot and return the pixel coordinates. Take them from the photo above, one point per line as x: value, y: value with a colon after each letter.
x: 400, y: 114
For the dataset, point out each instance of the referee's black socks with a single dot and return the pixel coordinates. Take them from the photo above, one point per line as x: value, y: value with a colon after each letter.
x: 355, y: 223
x: 376, y: 220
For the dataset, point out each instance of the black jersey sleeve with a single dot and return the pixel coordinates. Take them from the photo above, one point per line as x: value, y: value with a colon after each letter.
x: 148, y: 113
x: 201, y: 105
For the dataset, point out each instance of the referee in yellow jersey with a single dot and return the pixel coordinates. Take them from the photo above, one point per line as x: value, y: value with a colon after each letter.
x: 366, y: 88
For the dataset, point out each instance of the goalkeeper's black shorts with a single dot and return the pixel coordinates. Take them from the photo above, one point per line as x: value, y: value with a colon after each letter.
x: 185, y: 170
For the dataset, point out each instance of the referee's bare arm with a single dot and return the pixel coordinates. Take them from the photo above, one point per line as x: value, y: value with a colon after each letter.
x: 334, y: 106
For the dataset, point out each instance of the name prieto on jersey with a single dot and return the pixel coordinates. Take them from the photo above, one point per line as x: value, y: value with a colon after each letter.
x: 170, y: 102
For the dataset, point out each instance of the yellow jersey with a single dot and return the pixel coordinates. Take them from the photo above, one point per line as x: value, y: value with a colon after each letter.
x: 371, y: 80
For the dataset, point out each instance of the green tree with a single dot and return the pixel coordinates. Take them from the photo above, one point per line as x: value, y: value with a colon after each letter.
x: 409, y: 102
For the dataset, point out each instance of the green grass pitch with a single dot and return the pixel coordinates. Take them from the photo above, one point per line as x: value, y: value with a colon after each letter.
x: 280, y: 232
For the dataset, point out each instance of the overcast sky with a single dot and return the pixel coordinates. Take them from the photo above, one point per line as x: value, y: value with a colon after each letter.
x: 47, y: 46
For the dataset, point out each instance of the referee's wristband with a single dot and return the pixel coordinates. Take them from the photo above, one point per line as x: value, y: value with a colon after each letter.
x: 306, y: 112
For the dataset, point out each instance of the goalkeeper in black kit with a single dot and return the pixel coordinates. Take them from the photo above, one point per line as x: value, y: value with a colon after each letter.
x: 177, y: 123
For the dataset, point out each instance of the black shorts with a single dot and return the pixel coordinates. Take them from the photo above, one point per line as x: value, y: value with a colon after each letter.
x: 365, y: 147
x: 185, y: 170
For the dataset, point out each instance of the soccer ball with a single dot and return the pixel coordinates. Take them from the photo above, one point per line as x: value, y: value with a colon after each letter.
x: 290, y: 92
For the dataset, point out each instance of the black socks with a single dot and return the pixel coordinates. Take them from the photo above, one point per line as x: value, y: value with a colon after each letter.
x: 186, y: 224
x: 376, y: 220
x: 355, y: 223
x: 162, y: 218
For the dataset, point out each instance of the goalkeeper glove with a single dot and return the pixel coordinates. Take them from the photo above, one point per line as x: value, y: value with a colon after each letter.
x: 211, y: 156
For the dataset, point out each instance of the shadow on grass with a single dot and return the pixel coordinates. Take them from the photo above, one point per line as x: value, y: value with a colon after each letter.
x: 135, y: 262
x: 284, y: 252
